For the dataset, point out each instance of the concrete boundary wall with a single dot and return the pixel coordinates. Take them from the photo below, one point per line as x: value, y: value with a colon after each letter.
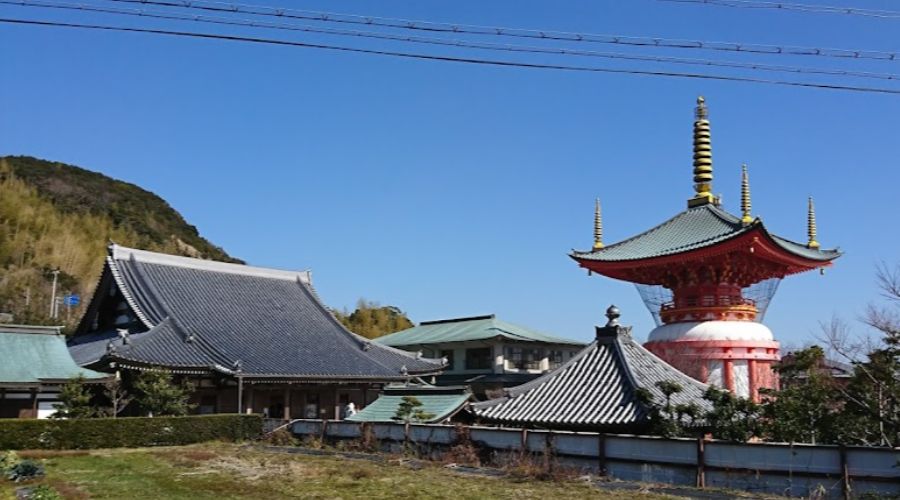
x: 772, y: 468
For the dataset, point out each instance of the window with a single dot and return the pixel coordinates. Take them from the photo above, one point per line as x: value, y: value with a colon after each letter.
x: 448, y: 353
x: 555, y: 358
x: 524, y: 359
x: 478, y: 359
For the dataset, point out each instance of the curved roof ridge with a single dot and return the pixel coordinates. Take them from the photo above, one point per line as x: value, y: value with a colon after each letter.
x: 186, y: 333
x: 718, y: 213
x: 118, y: 252
x: 126, y: 293
x: 361, y: 342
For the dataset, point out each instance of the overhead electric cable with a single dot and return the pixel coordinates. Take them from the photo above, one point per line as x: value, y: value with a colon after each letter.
x: 432, y: 57
x: 469, y: 29
x: 797, y: 7
x: 450, y: 42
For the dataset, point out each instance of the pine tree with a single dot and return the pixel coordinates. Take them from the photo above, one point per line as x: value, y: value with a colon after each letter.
x: 159, y: 395
x: 75, y: 400
x: 409, y: 410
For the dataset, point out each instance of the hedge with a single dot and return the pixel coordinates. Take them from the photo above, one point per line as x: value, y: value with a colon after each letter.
x: 126, y: 432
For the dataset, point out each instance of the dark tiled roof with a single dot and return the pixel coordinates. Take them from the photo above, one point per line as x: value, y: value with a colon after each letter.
x: 596, y: 388
x: 692, y: 229
x: 212, y: 315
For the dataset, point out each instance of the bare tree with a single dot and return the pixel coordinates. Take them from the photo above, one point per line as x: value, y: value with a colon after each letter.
x: 117, y: 395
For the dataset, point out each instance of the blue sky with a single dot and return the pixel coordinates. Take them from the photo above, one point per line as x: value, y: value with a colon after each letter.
x: 450, y: 189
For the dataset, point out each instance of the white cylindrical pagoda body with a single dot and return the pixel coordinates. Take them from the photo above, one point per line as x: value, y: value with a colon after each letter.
x: 733, y: 355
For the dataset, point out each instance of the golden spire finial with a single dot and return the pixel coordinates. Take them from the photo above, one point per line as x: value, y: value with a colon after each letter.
x: 598, y: 226
x: 745, y: 196
x: 811, y: 225
x: 703, y: 166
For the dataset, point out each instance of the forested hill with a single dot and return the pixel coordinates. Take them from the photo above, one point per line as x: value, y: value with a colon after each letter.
x: 58, y: 216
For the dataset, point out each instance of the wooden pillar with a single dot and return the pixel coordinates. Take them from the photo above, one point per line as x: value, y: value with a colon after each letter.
x: 34, y: 404
x: 249, y: 404
x: 287, y: 402
x: 337, y: 403
x: 728, y: 374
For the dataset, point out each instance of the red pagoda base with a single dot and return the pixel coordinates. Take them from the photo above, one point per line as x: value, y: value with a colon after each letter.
x: 741, y: 366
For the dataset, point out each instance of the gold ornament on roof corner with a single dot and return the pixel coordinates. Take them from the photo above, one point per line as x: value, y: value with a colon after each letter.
x: 746, y: 218
x: 811, y: 225
x: 703, y: 165
x: 598, y: 226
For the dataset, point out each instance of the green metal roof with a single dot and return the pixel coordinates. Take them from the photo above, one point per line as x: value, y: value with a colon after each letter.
x: 694, y: 228
x: 467, y: 329
x: 34, y: 355
x: 442, y: 406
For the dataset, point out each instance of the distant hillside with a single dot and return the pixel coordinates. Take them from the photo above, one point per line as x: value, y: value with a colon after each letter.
x: 58, y: 216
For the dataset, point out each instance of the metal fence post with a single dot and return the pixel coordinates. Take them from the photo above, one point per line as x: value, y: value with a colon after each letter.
x: 701, y: 463
x: 845, y: 473
x: 601, y: 454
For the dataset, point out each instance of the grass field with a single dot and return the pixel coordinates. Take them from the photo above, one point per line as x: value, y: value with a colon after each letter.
x: 220, y: 471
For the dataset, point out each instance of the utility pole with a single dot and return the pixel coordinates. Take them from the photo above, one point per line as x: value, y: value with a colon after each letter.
x: 53, y: 294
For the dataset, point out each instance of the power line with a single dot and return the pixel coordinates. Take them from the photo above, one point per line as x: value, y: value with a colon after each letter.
x: 466, y: 60
x: 468, y: 29
x: 451, y: 42
x: 797, y: 7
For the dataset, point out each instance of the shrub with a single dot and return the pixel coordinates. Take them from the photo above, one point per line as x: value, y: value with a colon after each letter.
x: 126, y: 432
x: 25, y: 470
x: 281, y: 437
x: 8, y: 460
x: 43, y: 492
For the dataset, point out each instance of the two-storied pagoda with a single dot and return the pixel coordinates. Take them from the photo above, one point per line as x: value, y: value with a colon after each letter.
x: 707, y: 276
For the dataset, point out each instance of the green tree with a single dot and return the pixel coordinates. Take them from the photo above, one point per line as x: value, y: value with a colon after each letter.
x: 732, y: 418
x: 372, y: 320
x: 410, y: 410
x: 870, y: 401
x: 666, y: 419
x: 75, y: 400
x: 159, y: 395
x: 807, y: 409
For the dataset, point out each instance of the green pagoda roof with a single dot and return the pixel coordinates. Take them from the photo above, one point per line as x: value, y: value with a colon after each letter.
x: 695, y: 228
x: 31, y: 356
x: 467, y: 329
x: 442, y: 402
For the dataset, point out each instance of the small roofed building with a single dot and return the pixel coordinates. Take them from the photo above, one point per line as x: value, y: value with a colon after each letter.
x: 249, y: 339
x: 484, y: 352
x: 603, y: 388
x: 34, y: 364
x: 439, y: 403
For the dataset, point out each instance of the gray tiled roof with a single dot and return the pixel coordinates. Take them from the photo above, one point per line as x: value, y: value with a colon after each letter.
x: 596, y: 388
x: 210, y: 315
x: 694, y: 228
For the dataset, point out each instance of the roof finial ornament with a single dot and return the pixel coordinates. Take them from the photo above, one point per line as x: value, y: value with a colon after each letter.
x: 613, y: 314
x: 598, y: 226
x: 811, y: 225
x: 746, y: 219
x: 703, y: 166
